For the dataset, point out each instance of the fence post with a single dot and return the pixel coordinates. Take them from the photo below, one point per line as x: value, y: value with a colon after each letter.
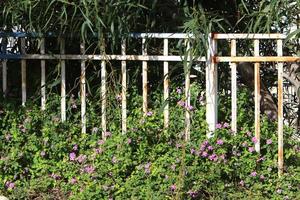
x: 145, y: 78
x: 257, y: 96
x: 43, y: 76
x: 280, y: 110
x: 124, y: 89
x: 103, y: 91
x: 211, y: 86
x: 4, y: 67
x: 83, y: 90
x: 166, y: 85
x: 63, y: 81
x: 187, y: 92
x: 233, y: 89
x: 23, y: 71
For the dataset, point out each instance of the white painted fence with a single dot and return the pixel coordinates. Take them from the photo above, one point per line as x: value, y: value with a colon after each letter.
x: 211, y: 60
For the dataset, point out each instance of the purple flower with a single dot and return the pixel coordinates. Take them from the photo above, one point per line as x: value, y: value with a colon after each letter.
x: 204, y: 154
x: 225, y: 125
x: 107, y: 134
x: 192, y: 150
x: 43, y: 153
x: 218, y: 125
x: 248, y: 133
x: 10, y: 185
x: 220, y: 142
x: 75, y: 147
x: 253, y: 174
x: 192, y: 194
x: 222, y: 157
x: 181, y: 103
x: 261, y: 159
x: 72, y: 156
x: 173, y: 187
x: 119, y: 98
x: 89, y: 169
x: 242, y: 183
x: 205, y: 142
x: 210, y: 148
x: 190, y: 108
x: 81, y: 158
x: 114, y: 160
x: 129, y: 141
x: 55, y: 176
x: 245, y: 144
x: 98, y: 150
x: 147, y: 167
x: 73, y: 180
x: 100, y: 142
x: 179, y: 90
x: 254, y: 140
x: 250, y: 149
x: 213, y: 157
x: 269, y: 141
x: 149, y: 113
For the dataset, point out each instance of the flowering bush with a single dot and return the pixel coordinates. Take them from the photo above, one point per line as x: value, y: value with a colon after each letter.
x: 44, y: 158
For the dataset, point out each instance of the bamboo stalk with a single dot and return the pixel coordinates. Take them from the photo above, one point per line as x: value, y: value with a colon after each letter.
x: 103, y: 98
x: 4, y: 68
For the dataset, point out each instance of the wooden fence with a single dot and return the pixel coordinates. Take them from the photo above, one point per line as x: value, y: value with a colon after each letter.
x: 211, y: 59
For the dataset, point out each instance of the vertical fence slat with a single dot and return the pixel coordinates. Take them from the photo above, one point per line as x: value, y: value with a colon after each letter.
x: 43, y: 76
x: 145, y: 78
x: 103, y: 98
x: 83, y: 90
x: 187, y: 92
x: 63, y: 81
x: 4, y: 68
x: 280, y: 109
x: 23, y: 71
x: 166, y: 84
x: 124, y: 89
x: 211, y: 86
x: 257, y: 96
x: 233, y: 89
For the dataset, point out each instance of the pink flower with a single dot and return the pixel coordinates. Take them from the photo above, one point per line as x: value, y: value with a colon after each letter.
x: 72, y: 156
x: 173, y: 187
x: 89, y: 169
x: 218, y: 125
x: 250, y: 149
x: 253, y: 174
x: 100, y: 142
x: 254, y: 140
x: 149, y: 114
x: 220, y: 142
x: 178, y: 90
x: 181, y: 103
x: 269, y: 141
x: 225, y: 125
x: 242, y: 183
x: 73, y: 180
x: 10, y: 185
x: 81, y: 158
x: 129, y: 141
x: 245, y: 144
x: 204, y: 154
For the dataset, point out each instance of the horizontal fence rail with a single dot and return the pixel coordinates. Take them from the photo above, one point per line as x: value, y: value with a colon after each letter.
x: 211, y: 59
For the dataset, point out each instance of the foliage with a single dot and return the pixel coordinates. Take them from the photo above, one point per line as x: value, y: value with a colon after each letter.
x: 45, y: 159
